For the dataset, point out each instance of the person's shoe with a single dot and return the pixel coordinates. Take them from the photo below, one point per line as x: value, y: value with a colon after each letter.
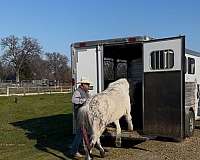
x: 82, y: 151
x: 78, y: 155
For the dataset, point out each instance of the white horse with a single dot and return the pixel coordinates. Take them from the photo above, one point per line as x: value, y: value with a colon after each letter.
x: 102, y: 109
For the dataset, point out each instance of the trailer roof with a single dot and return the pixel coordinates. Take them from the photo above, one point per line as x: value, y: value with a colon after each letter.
x: 122, y: 40
x: 188, y: 51
x: 111, y: 41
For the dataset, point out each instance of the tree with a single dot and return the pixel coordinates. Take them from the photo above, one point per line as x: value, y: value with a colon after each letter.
x: 18, y: 51
x: 1, y: 70
x: 39, y: 68
x: 58, y: 66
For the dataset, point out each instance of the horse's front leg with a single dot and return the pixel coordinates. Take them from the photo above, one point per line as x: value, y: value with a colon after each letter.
x: 118, y: 135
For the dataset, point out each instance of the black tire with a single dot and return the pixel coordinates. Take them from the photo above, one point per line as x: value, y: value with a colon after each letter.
x: 189, y: 124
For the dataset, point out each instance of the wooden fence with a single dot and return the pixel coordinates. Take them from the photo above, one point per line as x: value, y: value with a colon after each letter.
x: 9, y: 91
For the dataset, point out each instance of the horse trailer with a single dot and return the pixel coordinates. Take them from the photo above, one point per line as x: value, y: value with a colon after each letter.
x: 164, y: 80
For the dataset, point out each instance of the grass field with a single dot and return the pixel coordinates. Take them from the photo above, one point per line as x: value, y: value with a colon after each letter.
x: 35, y: 127
x: 40, y: 128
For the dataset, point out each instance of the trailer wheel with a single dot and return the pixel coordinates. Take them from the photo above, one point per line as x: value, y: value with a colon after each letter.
x: 190, y: 123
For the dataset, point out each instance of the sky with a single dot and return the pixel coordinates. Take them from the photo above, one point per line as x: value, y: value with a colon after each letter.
x: 58, y: 23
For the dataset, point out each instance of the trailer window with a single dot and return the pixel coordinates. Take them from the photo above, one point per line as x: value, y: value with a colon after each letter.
x: 114, y: 69
x: 108, y: 69
x: 162, y: 59
x: 121, y: 69
x: 191, y: 65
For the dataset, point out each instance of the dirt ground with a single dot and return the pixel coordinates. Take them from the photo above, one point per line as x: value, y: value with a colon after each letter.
x: 134, y: 149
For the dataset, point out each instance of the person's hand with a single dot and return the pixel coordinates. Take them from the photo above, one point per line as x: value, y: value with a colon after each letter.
x: 83, y: 100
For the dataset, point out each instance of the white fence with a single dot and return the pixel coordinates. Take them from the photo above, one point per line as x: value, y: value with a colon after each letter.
x: 9, y: 91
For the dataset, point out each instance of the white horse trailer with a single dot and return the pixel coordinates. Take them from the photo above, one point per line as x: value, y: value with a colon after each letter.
x: 164, y: 79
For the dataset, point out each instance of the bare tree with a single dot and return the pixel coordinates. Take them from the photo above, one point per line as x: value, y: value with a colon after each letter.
x: 17, y: 51
x: 1, y: 70
x: 58, y: 66
x: 39, y: 68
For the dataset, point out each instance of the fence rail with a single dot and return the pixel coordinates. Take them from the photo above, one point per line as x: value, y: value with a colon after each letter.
x: 9, y: 91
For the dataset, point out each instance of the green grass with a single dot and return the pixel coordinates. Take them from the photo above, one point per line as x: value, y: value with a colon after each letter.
x: 35, y: 127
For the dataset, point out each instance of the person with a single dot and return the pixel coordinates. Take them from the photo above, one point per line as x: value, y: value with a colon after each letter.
x: 80, y: 95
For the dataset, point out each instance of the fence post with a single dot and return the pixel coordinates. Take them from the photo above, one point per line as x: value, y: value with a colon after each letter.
x: 7, y: 91
x: 61, y: 89
x: 28, y: 89
x: 24, y: 90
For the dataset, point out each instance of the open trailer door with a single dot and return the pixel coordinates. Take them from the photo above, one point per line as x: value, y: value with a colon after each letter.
x: 87, y: 62
x: 163, y: 87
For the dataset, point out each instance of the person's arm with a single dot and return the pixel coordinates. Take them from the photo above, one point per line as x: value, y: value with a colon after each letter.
x: 76, y: 98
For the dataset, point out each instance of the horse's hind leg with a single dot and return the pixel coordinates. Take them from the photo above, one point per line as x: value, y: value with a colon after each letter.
x: 129, y: 121
x: 129, y: 117
x: 118, y: 135
x: 87, y: 152
x: 100, y: 148
x: 87, y: 145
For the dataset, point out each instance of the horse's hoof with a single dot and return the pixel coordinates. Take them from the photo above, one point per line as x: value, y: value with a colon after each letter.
x: 102, y: 153
x: 88, y: 158
x: 118, y: 144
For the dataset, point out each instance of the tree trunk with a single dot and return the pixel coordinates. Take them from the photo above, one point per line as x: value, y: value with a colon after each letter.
x: 17, y: 76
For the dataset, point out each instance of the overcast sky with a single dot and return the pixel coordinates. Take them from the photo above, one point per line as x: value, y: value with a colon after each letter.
x: 58, y: 23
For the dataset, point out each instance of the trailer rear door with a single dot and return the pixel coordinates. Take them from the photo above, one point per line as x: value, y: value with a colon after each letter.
x: 163, y: 87
x: 88, y: 64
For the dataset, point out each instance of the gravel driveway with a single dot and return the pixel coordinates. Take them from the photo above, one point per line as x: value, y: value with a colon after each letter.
x: 131, y: 149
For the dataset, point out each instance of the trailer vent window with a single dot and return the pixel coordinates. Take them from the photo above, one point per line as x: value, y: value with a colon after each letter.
x: 162, y: 59
x: 191, y: 65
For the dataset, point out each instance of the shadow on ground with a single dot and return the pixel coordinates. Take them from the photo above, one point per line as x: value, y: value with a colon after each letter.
x: 108, y: 141
x: 55, y: 132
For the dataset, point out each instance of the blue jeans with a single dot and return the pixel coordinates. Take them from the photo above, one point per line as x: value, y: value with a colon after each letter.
x: 77, y: 141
